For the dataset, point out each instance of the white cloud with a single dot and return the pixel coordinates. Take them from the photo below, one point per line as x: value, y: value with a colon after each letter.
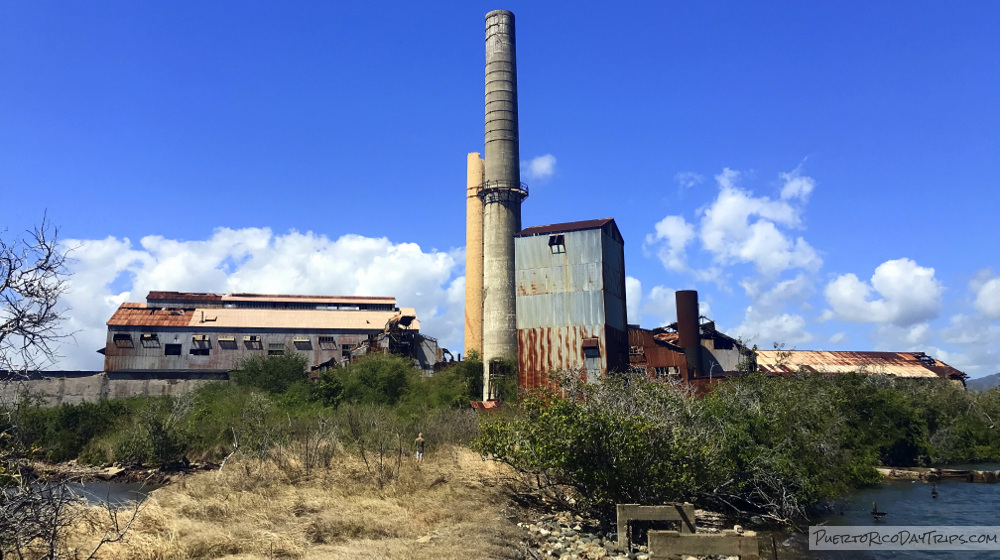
x: 633, y: 299
x: 741, y: 228
x: 688, y: 179
x: 796, y: 185
x: 661, y: 304
x: 765, y: 320
x: 911, y: 338
x: 672, y: 235
x: 988, y: 298
x: 771, y: 301
x: 540, y: 168
x: 838, y: 338
x: 786, y: 329
x: 256, y: 260
x: 979, y: 342
x: 907, y: 294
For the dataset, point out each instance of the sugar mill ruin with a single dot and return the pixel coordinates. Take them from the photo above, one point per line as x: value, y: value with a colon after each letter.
x: 549, y: 297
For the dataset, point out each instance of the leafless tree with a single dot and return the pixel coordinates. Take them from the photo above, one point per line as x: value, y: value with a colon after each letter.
x: 32, y: 279
x: 35, y: 515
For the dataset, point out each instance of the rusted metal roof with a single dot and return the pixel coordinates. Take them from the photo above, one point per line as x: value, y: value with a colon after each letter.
x: 217, y: 318
x: 483, y: 406
x: 139, y: 315
x: 283, y: 298
x: 564, y: 227
x: 901, y: 364
x: 308, y: 298
x: 179, y: 296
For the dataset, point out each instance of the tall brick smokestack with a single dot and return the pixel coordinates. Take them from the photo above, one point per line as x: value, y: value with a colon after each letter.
x: 687, y: 329
x: 501, y: 193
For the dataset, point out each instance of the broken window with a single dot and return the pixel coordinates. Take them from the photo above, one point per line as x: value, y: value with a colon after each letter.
x: 557, y: 244
x: 275, y: 349
x: 328, y: 343
x: 666, y: 371
x: 172, y: 350
x: 200, y: 345
x: 252, y: 342
x: 302, y: 343
x: 123, y: 340
x: 201, y: 341
x: 227, y: 342
x: 150, y: 341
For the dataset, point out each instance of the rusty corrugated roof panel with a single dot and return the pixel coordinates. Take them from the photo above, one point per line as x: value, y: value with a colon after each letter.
x: 485, y: 405
x: 216, y: 318
x: 197, y: 296
x: 181, y: 296
x: 564, y: 227
x: 901, y: 364
x: 308, y: 298
x: 300, y: 319
x: 139, y: 315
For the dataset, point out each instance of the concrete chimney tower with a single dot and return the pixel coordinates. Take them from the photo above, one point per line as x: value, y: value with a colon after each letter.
x: 474, y: 255
x: 501, y: 194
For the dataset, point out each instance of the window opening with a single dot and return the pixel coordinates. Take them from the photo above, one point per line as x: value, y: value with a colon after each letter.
x: 557, y: 244
x: 123, y: 340
x: 328, y: 342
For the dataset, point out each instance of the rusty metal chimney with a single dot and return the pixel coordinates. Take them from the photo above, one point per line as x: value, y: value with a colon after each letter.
x: 501, y: 193
x: 687, y: 328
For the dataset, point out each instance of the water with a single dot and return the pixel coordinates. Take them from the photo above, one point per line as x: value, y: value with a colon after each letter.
x: 905, y: 503
x: 117, y: 493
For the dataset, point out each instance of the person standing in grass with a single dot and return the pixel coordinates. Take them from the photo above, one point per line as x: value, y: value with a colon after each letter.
x: 420, y: 447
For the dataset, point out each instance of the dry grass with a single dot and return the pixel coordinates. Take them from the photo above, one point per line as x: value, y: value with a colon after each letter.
x: 448, y: 507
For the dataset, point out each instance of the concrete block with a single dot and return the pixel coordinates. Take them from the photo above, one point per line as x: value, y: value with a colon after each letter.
x: 664, y: 545
x: 684, y: 513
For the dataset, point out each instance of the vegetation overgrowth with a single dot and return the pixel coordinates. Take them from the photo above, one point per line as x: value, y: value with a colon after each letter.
x: 269, y: 401
x: 776, y: 448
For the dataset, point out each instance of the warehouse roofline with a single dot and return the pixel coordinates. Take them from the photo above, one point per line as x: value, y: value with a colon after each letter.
x: 566, y: 227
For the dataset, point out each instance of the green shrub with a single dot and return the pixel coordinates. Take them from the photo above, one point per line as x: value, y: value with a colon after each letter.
x: 375, y: 379
x: 271, y: 373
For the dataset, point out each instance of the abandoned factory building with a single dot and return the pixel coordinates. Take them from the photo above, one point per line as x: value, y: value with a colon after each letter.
x: 570, y: 297
x: 201, y: 332
x: 694, y: 351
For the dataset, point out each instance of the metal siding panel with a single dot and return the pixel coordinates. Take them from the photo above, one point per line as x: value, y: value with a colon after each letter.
x: 562, y: 300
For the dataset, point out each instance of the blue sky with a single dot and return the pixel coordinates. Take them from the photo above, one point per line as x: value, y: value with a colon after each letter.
x: 826, y: 175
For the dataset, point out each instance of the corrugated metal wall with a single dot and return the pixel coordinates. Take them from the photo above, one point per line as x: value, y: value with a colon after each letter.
x: 564, y: 298
x: 139, y: 357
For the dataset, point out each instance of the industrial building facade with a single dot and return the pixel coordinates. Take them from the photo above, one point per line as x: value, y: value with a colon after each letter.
x: 693, y: 351
x: 570, y: 300
x: 175, y: 331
